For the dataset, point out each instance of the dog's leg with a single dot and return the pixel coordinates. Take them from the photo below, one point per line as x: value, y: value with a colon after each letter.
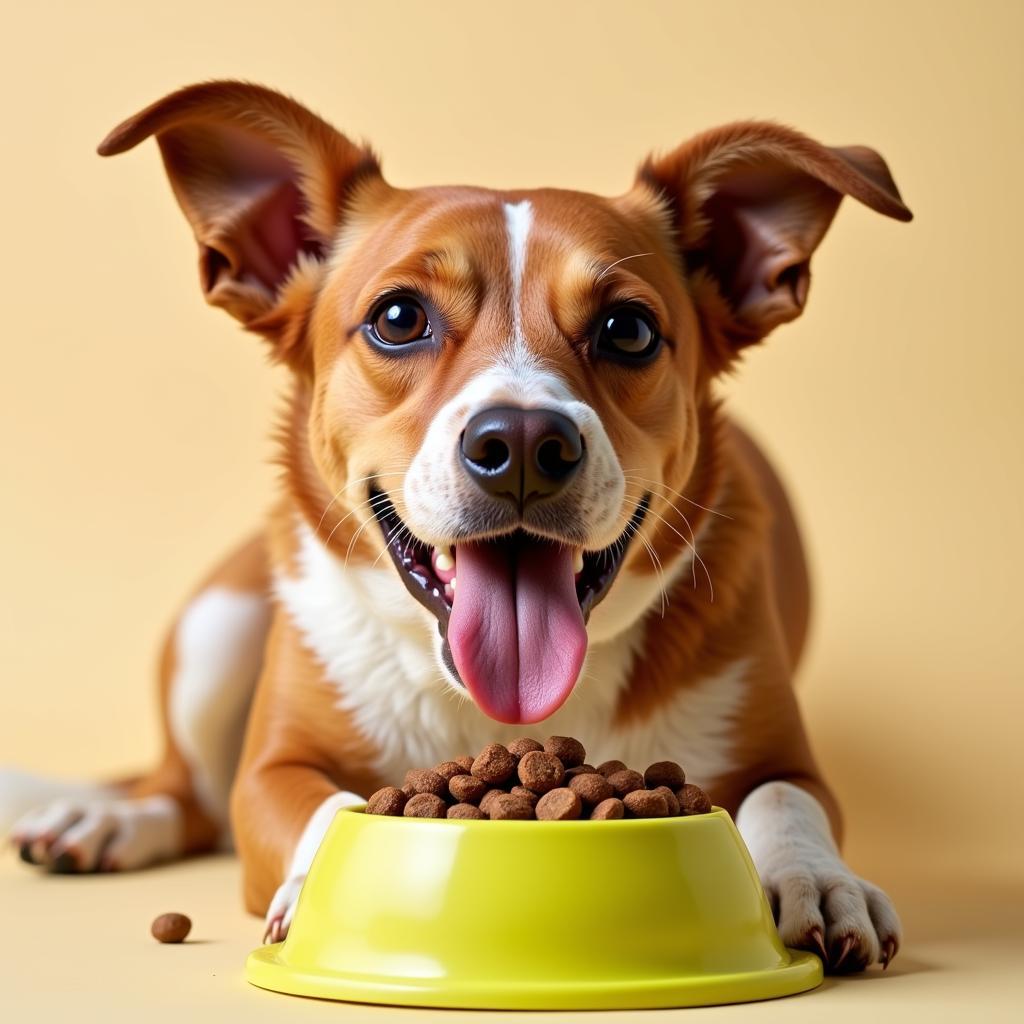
x: 819, y: 903
x: 208, y: 671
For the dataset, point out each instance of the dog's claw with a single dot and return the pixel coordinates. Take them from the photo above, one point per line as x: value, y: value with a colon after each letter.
x: 25, y: 852
x: 888, y: 952
x: 65, y: 864
x: 815, y: 935
x: 848, y: 943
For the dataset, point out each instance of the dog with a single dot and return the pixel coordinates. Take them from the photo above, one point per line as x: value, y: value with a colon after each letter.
x: 510, y: 498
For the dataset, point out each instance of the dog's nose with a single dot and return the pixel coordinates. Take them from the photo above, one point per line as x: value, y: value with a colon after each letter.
x: 521, y: 454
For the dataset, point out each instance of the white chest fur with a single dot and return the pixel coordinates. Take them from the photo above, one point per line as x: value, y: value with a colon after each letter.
x: 379, y: 649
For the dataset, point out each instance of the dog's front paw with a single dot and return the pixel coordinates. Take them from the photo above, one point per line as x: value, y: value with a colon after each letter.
x: 282, y: 908
x: 828, y: 910
x: 819, y: 903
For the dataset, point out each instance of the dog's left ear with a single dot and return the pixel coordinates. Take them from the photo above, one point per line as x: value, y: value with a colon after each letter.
x: 265, y: 184
x: 749, y: 203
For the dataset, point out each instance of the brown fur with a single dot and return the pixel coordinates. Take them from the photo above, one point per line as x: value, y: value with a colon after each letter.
x: 675, y: 242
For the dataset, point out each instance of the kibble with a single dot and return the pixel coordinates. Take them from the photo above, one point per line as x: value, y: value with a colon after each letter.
x: 670, y: 798
x: 170, y: 928
x: 608, y: 809
x: 568, y: 750
x: 591, y: 788
x: 494, y: 764
x: 389, y: 800
x: 425, y: 805
x: 560, y: 804
x: 508, y: 807
x: 527, y: 794
x: 541, y: 771
x: 664, y: 773
x: 424, y: 781
x: 531, y: 780
x: 693, y: 800
x: 625, y: 781
x: 522, y: 746
x: 645, y: 803
x: 464, y: 811
x: 467, y: 789
x: 449, y: 769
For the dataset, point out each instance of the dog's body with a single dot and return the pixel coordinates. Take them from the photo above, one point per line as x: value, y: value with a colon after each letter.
x: 513, y: 389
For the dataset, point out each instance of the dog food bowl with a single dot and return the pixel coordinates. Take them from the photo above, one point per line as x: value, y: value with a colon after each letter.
x: 533, y: 915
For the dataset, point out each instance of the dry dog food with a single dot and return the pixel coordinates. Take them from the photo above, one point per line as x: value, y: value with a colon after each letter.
x: 549, y: 781
x: 170, y: 928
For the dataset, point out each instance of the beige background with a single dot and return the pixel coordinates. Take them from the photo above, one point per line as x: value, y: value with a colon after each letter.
x: 134, y: 420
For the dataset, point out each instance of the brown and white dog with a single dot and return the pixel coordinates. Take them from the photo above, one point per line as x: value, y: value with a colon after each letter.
x: 510, y: 497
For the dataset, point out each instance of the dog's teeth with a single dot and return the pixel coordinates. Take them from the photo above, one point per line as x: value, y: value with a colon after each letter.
x: 443, y: 561
x: 451, y: 583
x: 577, y: 561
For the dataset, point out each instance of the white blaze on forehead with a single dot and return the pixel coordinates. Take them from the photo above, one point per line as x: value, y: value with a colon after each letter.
x: 518, y: 219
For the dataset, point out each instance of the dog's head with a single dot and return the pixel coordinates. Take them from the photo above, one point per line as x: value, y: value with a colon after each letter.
x: 505, y: 387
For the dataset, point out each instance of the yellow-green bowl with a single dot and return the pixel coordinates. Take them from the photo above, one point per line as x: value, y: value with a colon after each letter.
x: 533, y: 915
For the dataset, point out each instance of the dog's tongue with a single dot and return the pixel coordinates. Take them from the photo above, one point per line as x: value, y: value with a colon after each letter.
x: 516, y: 630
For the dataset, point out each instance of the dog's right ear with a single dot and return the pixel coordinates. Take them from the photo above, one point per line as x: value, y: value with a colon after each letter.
x: 264, y: 183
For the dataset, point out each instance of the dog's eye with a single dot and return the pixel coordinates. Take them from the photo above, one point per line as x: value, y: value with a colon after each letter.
x: 399, y: 321
x: 628, y: 335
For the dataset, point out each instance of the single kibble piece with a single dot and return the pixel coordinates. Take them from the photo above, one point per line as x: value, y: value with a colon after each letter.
x: 645, y: 803
x: 693, y: 800
x: 559, y: 805
x: 494, y: 764
x: 608, y: 809
x: 541, y: 771
x: 665, y: 773
x: 170, y: 928
x: 467, y: 789
x: 670, y: 798
x: 607, y: 768
x: 488, y: 798
x: 527, y: 794
x: 389, y: 800
x: 581, y: 769
x: 568, y: 750
x: 424, y: 781
x: 425, y: 805
x: 591, y: 788
x: 523, y: 745
x: 466, y: 763
x: 449, y: 769
x: 464, y: 811
x: 506, y: 807
x: 625, y: 781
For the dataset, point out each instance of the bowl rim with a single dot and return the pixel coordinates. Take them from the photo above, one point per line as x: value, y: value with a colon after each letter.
x: 671, y: 821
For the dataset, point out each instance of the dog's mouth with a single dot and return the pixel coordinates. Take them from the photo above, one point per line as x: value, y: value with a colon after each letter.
x: 511, y: 610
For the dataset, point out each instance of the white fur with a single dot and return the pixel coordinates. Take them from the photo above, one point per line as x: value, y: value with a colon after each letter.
x: 105, y: 832
x: 518, y: 220
x: 437, y: 490
x: 788, y: 835
x: 218, y: 654
x: 378, y: 648
x: 282, y: 906
x: 20, y: 792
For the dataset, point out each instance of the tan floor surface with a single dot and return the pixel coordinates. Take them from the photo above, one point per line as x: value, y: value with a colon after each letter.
x: 79, y: 949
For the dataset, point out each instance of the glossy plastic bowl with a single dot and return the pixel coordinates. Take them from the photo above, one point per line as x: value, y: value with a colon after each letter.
x: 533, y: 915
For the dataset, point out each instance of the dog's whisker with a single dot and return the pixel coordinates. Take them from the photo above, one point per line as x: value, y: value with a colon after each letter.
x: 373, y: 503
x: 612, y: 266
x: 629, y: 475
x: 399, y: 471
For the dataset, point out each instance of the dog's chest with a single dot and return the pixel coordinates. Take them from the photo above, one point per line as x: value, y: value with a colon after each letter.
x: 378, y: 648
